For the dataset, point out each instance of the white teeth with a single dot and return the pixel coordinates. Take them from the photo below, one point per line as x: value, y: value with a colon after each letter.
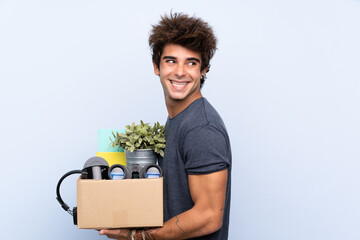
x: 178, y: 84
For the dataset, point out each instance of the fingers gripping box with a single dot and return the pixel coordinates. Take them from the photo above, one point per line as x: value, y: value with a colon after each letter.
x: 119, y: 203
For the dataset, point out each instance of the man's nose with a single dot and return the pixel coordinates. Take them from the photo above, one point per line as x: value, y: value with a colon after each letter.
x: 180, y: 70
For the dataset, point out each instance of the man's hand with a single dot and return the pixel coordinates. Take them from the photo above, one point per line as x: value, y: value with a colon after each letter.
x: 125, y: 233
x: 120, y: 234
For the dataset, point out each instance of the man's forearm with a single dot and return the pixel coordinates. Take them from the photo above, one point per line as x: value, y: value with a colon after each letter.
x: 208, y: 194
x: 192, y: 223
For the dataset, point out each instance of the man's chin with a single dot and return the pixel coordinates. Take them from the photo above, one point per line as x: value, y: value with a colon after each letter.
x: 182, y: 96
x: 178, y: 99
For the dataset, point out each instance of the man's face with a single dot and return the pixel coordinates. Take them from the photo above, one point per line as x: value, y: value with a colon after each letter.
x: 180, y: 73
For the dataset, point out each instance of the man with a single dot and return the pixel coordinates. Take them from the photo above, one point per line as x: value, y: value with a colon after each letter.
x: 197, y: 161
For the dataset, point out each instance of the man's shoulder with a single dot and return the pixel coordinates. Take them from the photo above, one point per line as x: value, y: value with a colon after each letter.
x: 199, y: 115
x: 199, y: 119
x: 202, y: 114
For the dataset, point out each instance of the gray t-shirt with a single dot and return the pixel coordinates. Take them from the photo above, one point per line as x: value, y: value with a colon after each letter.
x: 196, y: 143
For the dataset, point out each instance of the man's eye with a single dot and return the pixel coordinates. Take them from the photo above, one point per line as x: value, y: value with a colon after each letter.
x: 192, y: 63
x: 170, y: 61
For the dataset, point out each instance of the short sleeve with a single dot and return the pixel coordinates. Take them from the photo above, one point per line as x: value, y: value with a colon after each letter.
x: 206, y: 150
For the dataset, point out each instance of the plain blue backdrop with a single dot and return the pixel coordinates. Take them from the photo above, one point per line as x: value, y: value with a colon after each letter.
x: 285, y: 80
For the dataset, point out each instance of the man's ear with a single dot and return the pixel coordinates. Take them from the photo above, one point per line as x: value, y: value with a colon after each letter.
x: 204, y: 71
x: 156, y: 69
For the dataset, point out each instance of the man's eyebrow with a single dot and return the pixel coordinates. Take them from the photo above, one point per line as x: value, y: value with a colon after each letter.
x: 188, y: 59
x: 168, y: 57
x: 193, y: 59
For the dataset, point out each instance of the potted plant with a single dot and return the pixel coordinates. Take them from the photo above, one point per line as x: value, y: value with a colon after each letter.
x: 141, y: 142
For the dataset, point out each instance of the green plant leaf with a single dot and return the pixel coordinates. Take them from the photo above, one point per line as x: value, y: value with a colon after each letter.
x: 159, y: 145
x: 161, y: 152
x: 132, y: 148
x: 142, y: 136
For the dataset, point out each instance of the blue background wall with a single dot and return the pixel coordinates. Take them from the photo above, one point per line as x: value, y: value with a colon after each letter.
x: 285, y: 79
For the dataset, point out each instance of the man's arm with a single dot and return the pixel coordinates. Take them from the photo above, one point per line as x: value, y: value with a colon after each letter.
x: 208, y: 193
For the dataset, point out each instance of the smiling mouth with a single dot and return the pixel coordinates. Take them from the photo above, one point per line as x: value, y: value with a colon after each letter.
x: 178, y: 83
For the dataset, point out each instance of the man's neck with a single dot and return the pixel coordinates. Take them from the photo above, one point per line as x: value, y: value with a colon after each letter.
x: 174, y: 107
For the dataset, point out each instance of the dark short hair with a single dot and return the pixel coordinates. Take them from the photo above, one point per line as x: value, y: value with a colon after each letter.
x: 190, y: 32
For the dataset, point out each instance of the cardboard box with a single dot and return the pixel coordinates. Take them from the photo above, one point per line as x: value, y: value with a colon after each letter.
x: 123, y: 203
